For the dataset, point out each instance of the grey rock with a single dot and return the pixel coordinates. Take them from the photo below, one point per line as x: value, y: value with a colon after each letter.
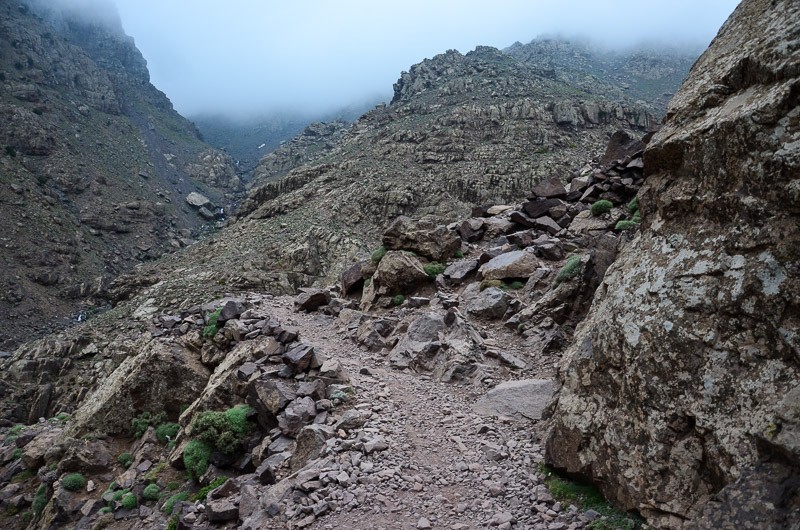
x: 489, y: 303
x: 311, y: 299
x: 514, y: 264
x: 458, y: 271
x: 523, y: 399
x: 198, y: 200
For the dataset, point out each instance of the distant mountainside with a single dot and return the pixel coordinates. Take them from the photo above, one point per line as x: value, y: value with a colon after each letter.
x: 461, y: 130
x: 94, y: 161
x: 651, y: 75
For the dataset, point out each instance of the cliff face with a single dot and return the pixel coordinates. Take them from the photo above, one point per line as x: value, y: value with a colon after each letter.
x: 680, y: 396
x: 95, y: 165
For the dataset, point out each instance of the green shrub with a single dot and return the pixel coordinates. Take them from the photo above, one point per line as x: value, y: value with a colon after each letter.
x: 129, y: 501
x: 516, y: 285
x: 73, y: 482
x: 212, y: 326
x: 637, y: 217
x: 223, y: 431
x: 600, y: 207
x: 170, y: 504
x: 16, y: 429
x: 63, y: 416
x: 485, y: 284
x: 17, y: 454
x: 201, y: 495
x: 119, y: 494
x: 195, y: 458
x: 172, y: 486
x: 173, y: 523
x: 625, y: 225
x: 105, y: 509
x: 570, y: 269
x: 398, y: 299
x: 140, y: 423
x: 151, y: 493
x: 433, y: 269
x: 633, y: 206
x: 126, y: 459
x: 378, y: 254
x: 152, y: 474
x: 167, y: 432
x: 39, y: 500
x: 459, y: 254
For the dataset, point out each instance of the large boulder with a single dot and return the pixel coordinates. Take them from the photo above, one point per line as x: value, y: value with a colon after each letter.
x: 514, y: 264
x: 680, y: 390
x: 423, y: 237
x: 398, y: 272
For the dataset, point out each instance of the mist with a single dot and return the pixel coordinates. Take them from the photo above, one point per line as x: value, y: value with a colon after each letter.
x: 243, y: 58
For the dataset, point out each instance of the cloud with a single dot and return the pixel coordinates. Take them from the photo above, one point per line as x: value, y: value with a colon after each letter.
x: 242, y: 57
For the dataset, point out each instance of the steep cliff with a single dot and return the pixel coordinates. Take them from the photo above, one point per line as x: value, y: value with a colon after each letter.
x: 95, y: 164
x: 680, y: 397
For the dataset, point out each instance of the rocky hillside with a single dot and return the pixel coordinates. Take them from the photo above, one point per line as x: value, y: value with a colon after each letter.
x: 95, y: 165
x: 680, y: 394
x: 650, y: 76
x: 461, y: 130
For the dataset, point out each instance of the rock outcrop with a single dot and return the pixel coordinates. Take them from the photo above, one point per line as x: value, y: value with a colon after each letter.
x: 680, y: 394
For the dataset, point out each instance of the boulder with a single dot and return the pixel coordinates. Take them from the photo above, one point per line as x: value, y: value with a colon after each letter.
x: 514, y: 264
x: 489, y: 303
x: 422, y: 237
x: 311, y: 299
x: 198, y: 200
x: 353, y: 276
x: 550, y: 188
x: 471, y: 230
x: 310, y: 443
x: 677, y: 391
x: 524, y: 399
x: 458, y: 271
x: 422, y: 337
x: 398, y: 272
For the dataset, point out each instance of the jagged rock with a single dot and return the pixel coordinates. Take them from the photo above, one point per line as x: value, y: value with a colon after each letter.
x: 33, y: 454
x: 311, y: 299
x: 422, y: 337
x: 586, y: 223
x: 548, y: 189
x: 310, y: 443
x: 300, y: 357
x: 547, y: 224
x: 514, y: 264
x: 459, y: 271
x: 333, y: 371
x: 231, y: 309
x: 620, y: 145
x: 489, y: 303
x: 198, y: 200
x: 435, y: 242
x: 222, y: 510
x: 472, y: 230
x: 296, y: 415
x: 88, y: 457
x: 353, y: 276
x: 666, y: 398
x: 270, y: 396
x: 523, y: 399
x: 397, y: 273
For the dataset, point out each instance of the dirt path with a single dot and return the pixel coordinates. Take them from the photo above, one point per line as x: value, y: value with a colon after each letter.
x: 445, y: 466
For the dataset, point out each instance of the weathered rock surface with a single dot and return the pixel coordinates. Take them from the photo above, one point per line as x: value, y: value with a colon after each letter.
x: 424, y: 238
x: 680, y: 389
x: 524, y: 399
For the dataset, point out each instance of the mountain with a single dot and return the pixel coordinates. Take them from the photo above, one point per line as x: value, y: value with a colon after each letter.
x: 96, y: 165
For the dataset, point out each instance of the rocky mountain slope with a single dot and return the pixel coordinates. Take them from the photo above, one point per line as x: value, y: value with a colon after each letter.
x: 95, y: 165
x: 680, y: 394
x: 461, y: 130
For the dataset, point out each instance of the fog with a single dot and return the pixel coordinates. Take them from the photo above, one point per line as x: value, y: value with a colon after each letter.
x: 247, y: 57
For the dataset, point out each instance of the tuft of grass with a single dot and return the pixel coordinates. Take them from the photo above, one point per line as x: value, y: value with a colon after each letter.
x: 39, y: 500
x: 516, y: 285
x: 129, y: 501
x: 73, y: 482
x: 625, y: 225
x: 459, y: 254
x: 570, y: 269
x: 223, y: 431
x: 143, y: 421
x: 398, y: 299
x: 16, y: 429
x: 588, y: 497
x: 601, y: 207
x: 378, y: 254
x: 195, y: 458
x: 212, y: 326
x: 17, y: 454
x: 170, y: 504
x: 167, y: 432
x: 22, y: 476
x: 433, y: 269
x: 151, y: 493
x: 173, y: 523
x: 126, y: 459
x: 201, y: 495
x: 633, y: 206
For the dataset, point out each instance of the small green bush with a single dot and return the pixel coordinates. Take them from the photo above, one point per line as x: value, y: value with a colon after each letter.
x: 16, y: 429
x: 63, y: 416
x: 129, y: 501
x: 398, y: 299
x: 516, y: 285
x: 167, y: 432
x: 119, y: 494
x: 195, y: 458
x: 633, y: 205
x: 433, y: 269
x: 140, y: 423
x: 39, y: 500
x: 459, y: 254
x: 223, y: 431
x: 570, y: 269
x: 601, y: 207
x: 126, y: 459
x: 73, y: 482
x: 212, y: 326
x: 17, y: 454
x: 637, y: 217
x: 173, y: 523
x: 105, y: 509
x: 151, y: 493
x: 172, y: 486
x: 625, y: 225
x: 204, y: 491
x: 170, y: 504
x: 378, y: 254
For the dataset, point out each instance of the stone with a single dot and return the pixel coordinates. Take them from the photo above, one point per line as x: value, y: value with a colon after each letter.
x: 523, y: 399
x: 489, y: 303
x: 547, y: 224
x: 539, y: 207
x: 421, y: 338
x: 333, y: 371
x: 423, y: 523
x: 311, y: 299
x: 265, y: 473
x: 353, y: 277
x: 352, y: 419
x: 514, y: 264
x: 549, y: 188
x: 299, y: 357
x: 397, y: 273
x: 620, y: 145
x: 458, y: 271
x: 231, y: 309
x: 297, y: 415
x: 472, y: 230
x: 310, y: 443
x: 198, y: 200
x: 270, y: 395
x: 314, y: 389
x: 422, y: 237
x: 222, y: 510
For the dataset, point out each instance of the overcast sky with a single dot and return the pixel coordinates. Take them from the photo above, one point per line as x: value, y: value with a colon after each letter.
x: 251, y: 56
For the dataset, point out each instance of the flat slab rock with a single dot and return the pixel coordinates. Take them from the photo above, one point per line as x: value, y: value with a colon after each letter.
x: 523, y: 399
